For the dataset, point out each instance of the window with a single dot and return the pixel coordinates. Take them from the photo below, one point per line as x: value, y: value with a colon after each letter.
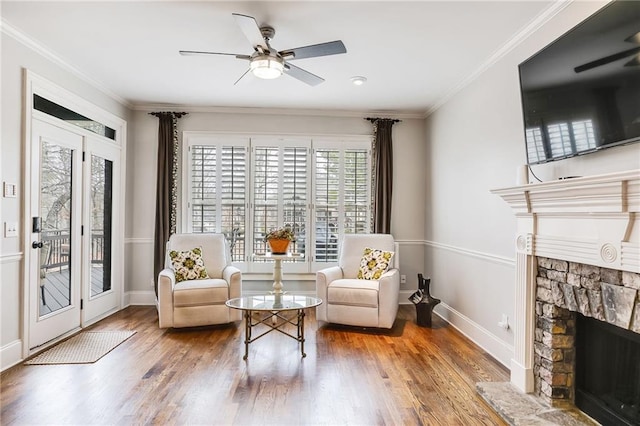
x: 71, y: 117
x: 244, y: 187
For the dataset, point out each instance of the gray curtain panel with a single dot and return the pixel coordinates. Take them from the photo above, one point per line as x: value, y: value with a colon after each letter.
x: 382, y: 174
x: 166, y: 186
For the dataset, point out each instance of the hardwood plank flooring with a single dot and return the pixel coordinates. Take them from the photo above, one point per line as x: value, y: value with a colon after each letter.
x: 408, y: 375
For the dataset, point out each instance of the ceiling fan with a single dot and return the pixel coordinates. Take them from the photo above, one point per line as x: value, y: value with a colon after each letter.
x: 268, y: 63
x: 634, y: 62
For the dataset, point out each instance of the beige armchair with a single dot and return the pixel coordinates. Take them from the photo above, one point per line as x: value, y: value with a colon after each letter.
x: 359, y: 302
x: 200, y: 301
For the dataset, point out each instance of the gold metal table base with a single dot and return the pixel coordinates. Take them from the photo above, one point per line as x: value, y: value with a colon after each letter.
x: 274, y: 320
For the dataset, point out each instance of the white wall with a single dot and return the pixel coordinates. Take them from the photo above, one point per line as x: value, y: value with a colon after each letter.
x: 16, y: 56
x: 475, y: 144
x: 408, y: 197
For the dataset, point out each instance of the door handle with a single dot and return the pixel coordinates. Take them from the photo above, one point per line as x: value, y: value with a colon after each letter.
x: 36, y: 244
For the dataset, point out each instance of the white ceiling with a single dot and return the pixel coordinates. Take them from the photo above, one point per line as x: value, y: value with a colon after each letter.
x: 413, y: 54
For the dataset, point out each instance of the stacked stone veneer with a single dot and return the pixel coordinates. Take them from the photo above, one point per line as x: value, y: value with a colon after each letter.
x: 562, y: 289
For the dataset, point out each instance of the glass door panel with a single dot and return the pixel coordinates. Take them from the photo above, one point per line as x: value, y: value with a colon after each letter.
x: 102, y: 274
x: 55, y: 220
x: 101, y: 218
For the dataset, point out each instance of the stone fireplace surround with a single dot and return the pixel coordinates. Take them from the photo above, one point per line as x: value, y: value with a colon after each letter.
x: 584, y: 235
x: 562, y: 289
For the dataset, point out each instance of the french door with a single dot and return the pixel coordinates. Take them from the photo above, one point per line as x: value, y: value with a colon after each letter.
x: 101, y: 183
x: 74, y: 182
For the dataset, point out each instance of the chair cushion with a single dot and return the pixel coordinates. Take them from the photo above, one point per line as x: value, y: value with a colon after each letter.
x: 353, y: 292
x: 200, y: 292
x: 188, y: 264
x: 374, y: 263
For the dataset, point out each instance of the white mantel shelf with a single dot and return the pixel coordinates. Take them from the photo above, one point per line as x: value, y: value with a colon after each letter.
x: 593, y: 220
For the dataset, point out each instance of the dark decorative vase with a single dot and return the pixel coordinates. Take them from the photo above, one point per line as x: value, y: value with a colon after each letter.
x: 425, y: 307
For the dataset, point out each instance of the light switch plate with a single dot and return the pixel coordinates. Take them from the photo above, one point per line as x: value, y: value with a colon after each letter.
x: 9, y: 190
x: 10, y: 229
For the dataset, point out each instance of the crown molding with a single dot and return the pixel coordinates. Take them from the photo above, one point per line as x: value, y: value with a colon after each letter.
x: 276, y: 111
x: 44, y: 51
x: 533, y: 26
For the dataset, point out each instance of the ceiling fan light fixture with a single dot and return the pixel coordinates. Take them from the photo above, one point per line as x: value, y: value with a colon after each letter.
x: 267, y: 67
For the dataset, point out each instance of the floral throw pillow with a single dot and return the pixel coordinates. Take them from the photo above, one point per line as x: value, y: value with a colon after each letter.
x: 374, y: 263
x: 188, y: 264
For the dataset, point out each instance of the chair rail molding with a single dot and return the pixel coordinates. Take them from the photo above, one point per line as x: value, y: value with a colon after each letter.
x: 472, y: 253
x: 11, y: 257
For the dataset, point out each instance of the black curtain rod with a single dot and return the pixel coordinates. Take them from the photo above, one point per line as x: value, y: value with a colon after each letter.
x: 373, y: 120
x: 177, y: 114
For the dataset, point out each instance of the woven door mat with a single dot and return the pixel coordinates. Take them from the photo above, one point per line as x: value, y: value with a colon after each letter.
x: 84, y: 348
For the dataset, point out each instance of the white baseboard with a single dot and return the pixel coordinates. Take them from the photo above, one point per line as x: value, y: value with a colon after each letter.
x: 403, y: 298
x: 140, y: 298
x: 10, y: 354
x: 497, y: 348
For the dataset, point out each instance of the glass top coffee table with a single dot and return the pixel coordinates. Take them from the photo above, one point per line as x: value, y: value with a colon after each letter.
x: 272, y: 308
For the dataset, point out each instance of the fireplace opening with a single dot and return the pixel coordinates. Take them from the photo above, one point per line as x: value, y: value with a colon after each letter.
x: 607, y: 372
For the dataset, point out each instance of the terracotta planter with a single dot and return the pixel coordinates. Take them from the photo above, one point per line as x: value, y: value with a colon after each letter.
x: 279, y: 246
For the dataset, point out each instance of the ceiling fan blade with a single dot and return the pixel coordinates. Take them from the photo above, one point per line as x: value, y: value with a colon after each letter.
x: 606, y: 60
x: 251, y: 30
x: 634, y: 62
x: 633, y: 38
x: 315, y: 50
x: 199, y: 53
x: 302, y: 75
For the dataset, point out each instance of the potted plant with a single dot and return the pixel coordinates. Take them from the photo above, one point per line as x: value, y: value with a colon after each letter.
x: 279, y: 239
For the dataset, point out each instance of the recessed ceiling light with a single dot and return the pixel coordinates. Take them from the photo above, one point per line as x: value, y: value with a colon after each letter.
x: 358, y: 80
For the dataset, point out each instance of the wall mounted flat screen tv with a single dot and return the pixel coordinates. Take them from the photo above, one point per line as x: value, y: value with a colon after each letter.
x: 581, y: 93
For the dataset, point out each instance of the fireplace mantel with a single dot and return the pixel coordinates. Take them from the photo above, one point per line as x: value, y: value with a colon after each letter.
x: 593, y: 220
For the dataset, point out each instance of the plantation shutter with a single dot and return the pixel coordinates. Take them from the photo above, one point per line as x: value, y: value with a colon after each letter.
x: 280, y: 191
x: 356, y: 192
x: 342, y: 196
x: 203, y: 188
x: 218, y: 189
x: 266, y: 194
x: 233, y: 198
x: 321, y: 196
x: 295, y: 188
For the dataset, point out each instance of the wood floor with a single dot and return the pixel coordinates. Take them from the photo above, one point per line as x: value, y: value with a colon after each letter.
x: 406, y: 376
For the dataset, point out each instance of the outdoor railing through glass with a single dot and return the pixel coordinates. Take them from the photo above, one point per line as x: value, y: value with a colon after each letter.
x: 59, y: 245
